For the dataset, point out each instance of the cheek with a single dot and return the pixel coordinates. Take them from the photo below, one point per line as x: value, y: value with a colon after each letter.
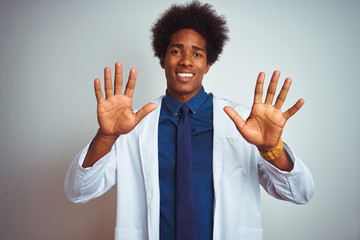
x: 203, y: 66
x: 168, y: 71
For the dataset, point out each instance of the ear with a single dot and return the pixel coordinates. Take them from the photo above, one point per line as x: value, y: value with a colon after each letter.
x: 162, y: 62
x: 207, y: 68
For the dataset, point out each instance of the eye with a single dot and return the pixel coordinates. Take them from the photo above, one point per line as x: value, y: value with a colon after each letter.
x: 197, y: 55
x: 175, y: 52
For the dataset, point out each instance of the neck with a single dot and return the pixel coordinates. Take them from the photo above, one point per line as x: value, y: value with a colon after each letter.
x: 183, y: 97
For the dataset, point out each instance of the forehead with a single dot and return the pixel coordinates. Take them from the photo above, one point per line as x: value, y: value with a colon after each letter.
x: 188, y: 37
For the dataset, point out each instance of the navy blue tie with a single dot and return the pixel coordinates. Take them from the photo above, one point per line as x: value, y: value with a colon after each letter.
x: 185, y: 207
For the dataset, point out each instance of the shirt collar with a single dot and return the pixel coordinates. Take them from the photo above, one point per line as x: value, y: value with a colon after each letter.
x: 194, y: 103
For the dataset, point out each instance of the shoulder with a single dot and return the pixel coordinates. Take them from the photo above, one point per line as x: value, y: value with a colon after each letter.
x: 220, y: 103
x: 158, y: 100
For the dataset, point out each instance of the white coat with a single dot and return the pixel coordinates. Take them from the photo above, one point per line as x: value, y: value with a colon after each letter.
x: 238, y: 170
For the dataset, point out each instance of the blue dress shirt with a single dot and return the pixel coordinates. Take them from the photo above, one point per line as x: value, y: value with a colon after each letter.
x: 201, y: 117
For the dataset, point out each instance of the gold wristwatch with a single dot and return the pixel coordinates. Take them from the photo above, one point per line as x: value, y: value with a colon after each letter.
x: 273, y: 154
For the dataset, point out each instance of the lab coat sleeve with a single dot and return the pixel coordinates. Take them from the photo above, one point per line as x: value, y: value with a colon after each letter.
x: 296, y: 186
x: 83, y: 184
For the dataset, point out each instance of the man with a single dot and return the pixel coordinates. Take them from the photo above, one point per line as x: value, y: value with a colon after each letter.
x: 230, y: 157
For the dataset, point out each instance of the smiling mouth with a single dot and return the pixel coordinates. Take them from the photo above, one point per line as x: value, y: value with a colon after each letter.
x: 185, y: 74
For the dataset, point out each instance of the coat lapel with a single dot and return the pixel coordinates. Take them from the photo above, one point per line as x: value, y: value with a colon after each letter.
x: 220, y: 118
x: 148, y: 143
x: 218, y: 147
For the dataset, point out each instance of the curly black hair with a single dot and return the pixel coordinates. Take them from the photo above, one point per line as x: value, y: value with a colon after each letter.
x: 201, y: 18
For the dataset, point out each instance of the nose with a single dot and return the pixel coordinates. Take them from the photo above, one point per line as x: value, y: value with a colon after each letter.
x: 186, y: 60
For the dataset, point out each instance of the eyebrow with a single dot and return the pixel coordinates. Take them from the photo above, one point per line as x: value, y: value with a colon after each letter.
x: 178, y: 45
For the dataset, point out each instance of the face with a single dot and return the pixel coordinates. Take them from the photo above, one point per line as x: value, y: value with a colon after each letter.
x: 185, y: 64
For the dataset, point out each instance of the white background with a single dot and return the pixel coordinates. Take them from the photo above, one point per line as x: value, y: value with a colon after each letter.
x: 51, y: 51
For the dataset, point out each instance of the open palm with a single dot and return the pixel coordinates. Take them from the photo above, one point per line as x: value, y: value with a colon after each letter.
x: 115, y: 113
x: 265, y: 124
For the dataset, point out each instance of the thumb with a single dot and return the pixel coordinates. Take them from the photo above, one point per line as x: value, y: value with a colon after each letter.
x: 235, y: 117
x: 145, y: 110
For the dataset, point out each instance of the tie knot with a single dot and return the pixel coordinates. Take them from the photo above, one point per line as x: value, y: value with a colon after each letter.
x: 184, y: 109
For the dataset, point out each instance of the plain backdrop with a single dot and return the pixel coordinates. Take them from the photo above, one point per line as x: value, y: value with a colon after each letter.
x: 51, y: 51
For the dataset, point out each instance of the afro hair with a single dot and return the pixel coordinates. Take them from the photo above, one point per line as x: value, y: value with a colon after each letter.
x: 201, y: 18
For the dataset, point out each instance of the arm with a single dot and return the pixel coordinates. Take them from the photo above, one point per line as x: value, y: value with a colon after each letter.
x: 265, y: 124
x: 115, y: 114
x: 296, y: 186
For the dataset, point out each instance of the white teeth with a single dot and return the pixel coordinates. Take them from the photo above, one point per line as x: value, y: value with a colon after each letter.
x: 185, y: 74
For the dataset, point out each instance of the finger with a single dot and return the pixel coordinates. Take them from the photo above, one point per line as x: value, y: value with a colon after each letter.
x: 291, y: 111
x: 283, y: 93
x: 259, y: 88
x: 108, y: 83
x: 235, y: 117
x: 118, y: 82
x: 98, y: 92
x: 118, y: 78
x: 148, y: 108
x: 272, y: 87
x: 130, y: 86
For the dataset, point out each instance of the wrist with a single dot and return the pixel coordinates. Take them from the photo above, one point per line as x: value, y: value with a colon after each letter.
x: 106, y: 137
x: 274, y: 153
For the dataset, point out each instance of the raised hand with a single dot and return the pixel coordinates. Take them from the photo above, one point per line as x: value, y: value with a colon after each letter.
x: 265, y: 124
x: 115, y: 113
